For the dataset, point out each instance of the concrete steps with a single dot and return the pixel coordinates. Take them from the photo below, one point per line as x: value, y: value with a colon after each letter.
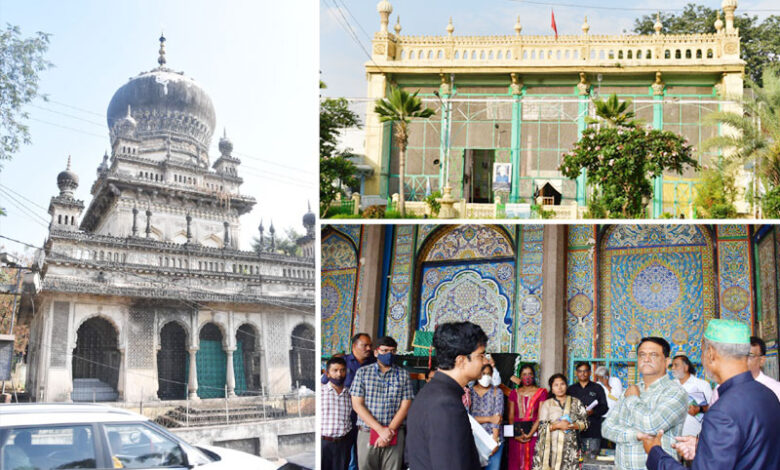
x: 89, y: 390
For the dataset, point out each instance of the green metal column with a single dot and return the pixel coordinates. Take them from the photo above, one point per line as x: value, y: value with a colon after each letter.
x: 658, y: 182
x: 517, y: 122
x: 444, y: 141
x: 582, y: 180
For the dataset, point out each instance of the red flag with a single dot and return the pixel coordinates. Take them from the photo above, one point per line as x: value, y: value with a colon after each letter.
x: 555, y: 28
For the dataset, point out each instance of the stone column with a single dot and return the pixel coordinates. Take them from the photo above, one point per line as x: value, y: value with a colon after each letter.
x: 553, y: 301
x: 377, y: 139
x: 230, y: 379
x: 120, y: 383
x: 192, y: 382
x: 369, y: 310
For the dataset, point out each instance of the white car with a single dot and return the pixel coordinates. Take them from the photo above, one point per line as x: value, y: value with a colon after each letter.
x: 62, y: 436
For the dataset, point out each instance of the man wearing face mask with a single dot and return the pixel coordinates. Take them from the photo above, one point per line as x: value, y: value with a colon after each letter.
x: 381, y: 396
x: 335, y: 408
x: 739, y: 431
x: 440, y: 434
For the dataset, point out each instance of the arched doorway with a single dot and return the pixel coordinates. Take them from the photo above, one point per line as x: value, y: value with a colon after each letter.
x: 302, y: 356
x: 96, y: 362
x: 172, y: 360
x: 467, y: 273
x: 339, y: 277
x: 247, y: 362
x: 211, y: 363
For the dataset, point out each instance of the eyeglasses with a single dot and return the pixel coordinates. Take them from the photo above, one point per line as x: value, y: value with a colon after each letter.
x: 751, y: 355
x: 653, y: 355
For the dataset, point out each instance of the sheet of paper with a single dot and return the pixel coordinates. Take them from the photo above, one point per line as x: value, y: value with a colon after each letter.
x: 509, y: 430
x: 592, y: 405
x: 483, y: 440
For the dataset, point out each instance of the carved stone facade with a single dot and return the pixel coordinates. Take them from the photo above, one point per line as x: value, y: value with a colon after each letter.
x: 158, y: 247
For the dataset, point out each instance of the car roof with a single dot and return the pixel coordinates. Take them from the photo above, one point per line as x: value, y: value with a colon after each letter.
x: 32, y: 414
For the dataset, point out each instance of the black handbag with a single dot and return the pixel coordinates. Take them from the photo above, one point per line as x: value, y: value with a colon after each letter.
x: 523, y: 427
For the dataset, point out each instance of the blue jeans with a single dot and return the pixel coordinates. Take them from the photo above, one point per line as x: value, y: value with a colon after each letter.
x: 495, y: 460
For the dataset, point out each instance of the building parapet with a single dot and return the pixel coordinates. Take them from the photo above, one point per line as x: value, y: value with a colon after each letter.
x: 576, y: 51
x: 81, y: 286
x: 191, y: 249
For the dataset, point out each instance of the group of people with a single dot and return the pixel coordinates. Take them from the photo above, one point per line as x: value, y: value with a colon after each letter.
x: 371, y: 419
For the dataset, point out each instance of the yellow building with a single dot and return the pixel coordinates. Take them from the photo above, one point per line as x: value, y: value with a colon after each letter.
x: 522, y: 100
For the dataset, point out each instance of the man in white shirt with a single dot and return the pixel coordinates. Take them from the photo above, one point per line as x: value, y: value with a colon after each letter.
x: 612, y: 386
x: 699, y: 393
x: 756, y: 360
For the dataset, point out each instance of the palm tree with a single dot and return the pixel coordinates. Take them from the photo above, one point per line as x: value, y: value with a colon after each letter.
x: 756, y: 136
x: 614, y: 112
x: 400, y: 108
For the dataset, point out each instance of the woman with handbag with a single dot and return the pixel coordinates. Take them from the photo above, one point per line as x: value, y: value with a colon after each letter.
x: 487, y: 407
x: 524, y: 404
x: 561, y: 419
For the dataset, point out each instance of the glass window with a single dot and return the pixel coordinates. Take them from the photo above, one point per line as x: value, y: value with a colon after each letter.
x: 138, y: 446
x: 48, y: 448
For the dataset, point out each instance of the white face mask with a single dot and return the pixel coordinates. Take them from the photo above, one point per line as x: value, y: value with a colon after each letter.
x: 485, y: 380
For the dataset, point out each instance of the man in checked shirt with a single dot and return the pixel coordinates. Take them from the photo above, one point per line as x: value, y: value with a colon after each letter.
x: 656, y: 404
x: 381, y: 396
x: 335, y: 408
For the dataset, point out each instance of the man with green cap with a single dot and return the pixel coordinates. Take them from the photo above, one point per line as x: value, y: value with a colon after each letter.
x: 740, y: 431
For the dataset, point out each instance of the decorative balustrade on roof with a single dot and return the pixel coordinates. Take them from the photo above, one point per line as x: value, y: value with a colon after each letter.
x: 568, y: 50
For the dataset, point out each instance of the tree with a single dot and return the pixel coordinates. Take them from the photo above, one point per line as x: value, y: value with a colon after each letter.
x: 400, y: 108
x: 755, y: 136
x: 336, y: 168
x: 760, y: 41
x: 613, y: 112
x: 715, y: 195
x: 21, y: 60
x: 621, y: 161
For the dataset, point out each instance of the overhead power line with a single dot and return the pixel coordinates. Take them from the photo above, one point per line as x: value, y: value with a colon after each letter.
x: 590, y: 6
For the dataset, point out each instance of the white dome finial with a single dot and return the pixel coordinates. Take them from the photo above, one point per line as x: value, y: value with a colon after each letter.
x: 384, y: 8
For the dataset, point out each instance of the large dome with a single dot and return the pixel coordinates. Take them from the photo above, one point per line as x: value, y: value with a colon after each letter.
x: 164, y: 103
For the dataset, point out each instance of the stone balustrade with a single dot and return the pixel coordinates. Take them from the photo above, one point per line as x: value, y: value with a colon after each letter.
x: 568, y: 50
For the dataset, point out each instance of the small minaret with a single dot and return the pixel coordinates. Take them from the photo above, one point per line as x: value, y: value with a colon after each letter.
x: 261, y: 245
x: 272, y: 231
x: 226, y: 164
x: 65, y: 209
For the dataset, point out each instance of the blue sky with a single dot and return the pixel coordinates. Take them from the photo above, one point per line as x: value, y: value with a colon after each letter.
x: 342, y: 59
x: 257, y: 60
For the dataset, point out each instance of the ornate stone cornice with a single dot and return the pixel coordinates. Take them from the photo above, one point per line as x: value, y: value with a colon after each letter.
x: 97, y: 288
x: 85, y: 239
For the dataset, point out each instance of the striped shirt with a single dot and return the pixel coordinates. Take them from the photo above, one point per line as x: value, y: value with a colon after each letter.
x: 381, y: 392
x: 662, y: 406
x: 335, y: 409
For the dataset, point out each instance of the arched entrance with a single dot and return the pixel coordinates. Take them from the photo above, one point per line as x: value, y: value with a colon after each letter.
x: 172, y: 359
x: 339, y: 277
x: 467, y: 273
x: 655, y: 280
x: 247, y: 362
x: 211, y: 363
x: 302, y: 356
x: 96, y: 362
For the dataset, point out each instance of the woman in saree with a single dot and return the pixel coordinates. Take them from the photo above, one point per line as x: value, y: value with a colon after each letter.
x: 561, y: 419
x: 524, y: 404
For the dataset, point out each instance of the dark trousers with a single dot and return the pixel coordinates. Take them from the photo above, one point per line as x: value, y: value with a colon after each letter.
x: 335, y: 455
